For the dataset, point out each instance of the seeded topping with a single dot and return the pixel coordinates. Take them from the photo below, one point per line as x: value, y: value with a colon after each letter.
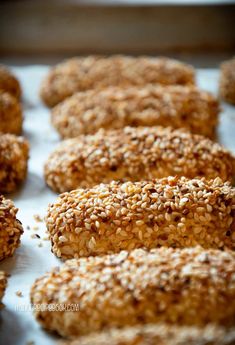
x: 135, y: 154
x: 178, y: 286
x: 10, y: 114
x: 10, y: 228
x: 172, y: 212
x: 81, y: 74
x: 14, y: 154
x: 227, y: 81
x: 115, y: 107
x: 161, y: 334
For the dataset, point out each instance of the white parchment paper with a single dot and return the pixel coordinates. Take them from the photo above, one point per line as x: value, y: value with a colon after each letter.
x: 17, y: 325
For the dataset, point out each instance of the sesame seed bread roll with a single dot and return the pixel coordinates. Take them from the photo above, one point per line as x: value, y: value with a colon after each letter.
x: 177, y: 106
x: 10, y: 114
x: 161, y: 334
x: 172, y: 212
x: 10, y: 228
x: 140, y: 153
x: 178, y: 286
x: 3, y: 284
x: 227, y: 81
x: 9, y: 83
x: 85, y: 73
x: 14, y: 154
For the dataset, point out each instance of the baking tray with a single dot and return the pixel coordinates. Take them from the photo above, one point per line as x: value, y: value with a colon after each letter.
x: 34, y: 257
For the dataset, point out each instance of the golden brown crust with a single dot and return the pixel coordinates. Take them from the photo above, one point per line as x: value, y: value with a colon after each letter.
x: 14, y: 154
x: 85, y: 73
x: 140, y: 153
x: 10, y: 228
x: 10, y: 114
x: 3, y: 284
x: 227, y: 81
x: 172, y: 212
x: 114, y: 107
x: 161, y: 334
x: 9, y: 83
x: 178, y: 286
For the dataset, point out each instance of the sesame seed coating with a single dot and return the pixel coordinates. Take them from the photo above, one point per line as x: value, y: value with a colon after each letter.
x: 9, y: 83
x: 10, y: 114
x: 172, y: 212
x: 85, y: 73
x: 227, y: 81
x: 10, y: 228
x: 14, y: 153
x: 3, y: 284
x: 161, y: 334
x: 135, y: 153
x: 175, y: 105
x: 188, y: 286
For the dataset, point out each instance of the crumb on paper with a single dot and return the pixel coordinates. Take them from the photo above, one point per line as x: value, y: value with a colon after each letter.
x: 28, y: 227
x: 38, y: 218
x: 19, y: 293
x: 35, y: 227
x: 40, y: 244
x: 35, y: 236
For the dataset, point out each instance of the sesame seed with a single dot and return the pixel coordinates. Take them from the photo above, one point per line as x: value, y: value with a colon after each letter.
x: 120, y: 286
x: 162, y: 221
x: 14, y: 154
x: 72, y: 165
x: 68, y: 77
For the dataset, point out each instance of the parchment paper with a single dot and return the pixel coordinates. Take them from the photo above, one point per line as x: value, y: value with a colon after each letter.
x: 30, y: 261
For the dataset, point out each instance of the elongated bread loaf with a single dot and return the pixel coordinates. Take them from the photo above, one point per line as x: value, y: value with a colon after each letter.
x: 85, y: 73
x: 11, y: 117
x: 172, y: 212
x: 10, y: 228
x: 9, y: 83
x: 151, y: 105
x: 227, y: 81
x: 178, y: 286
x: 135, y: 154
x: 14, y: 155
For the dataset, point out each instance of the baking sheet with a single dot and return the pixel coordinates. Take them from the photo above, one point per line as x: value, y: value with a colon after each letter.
x: 33, y: 258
